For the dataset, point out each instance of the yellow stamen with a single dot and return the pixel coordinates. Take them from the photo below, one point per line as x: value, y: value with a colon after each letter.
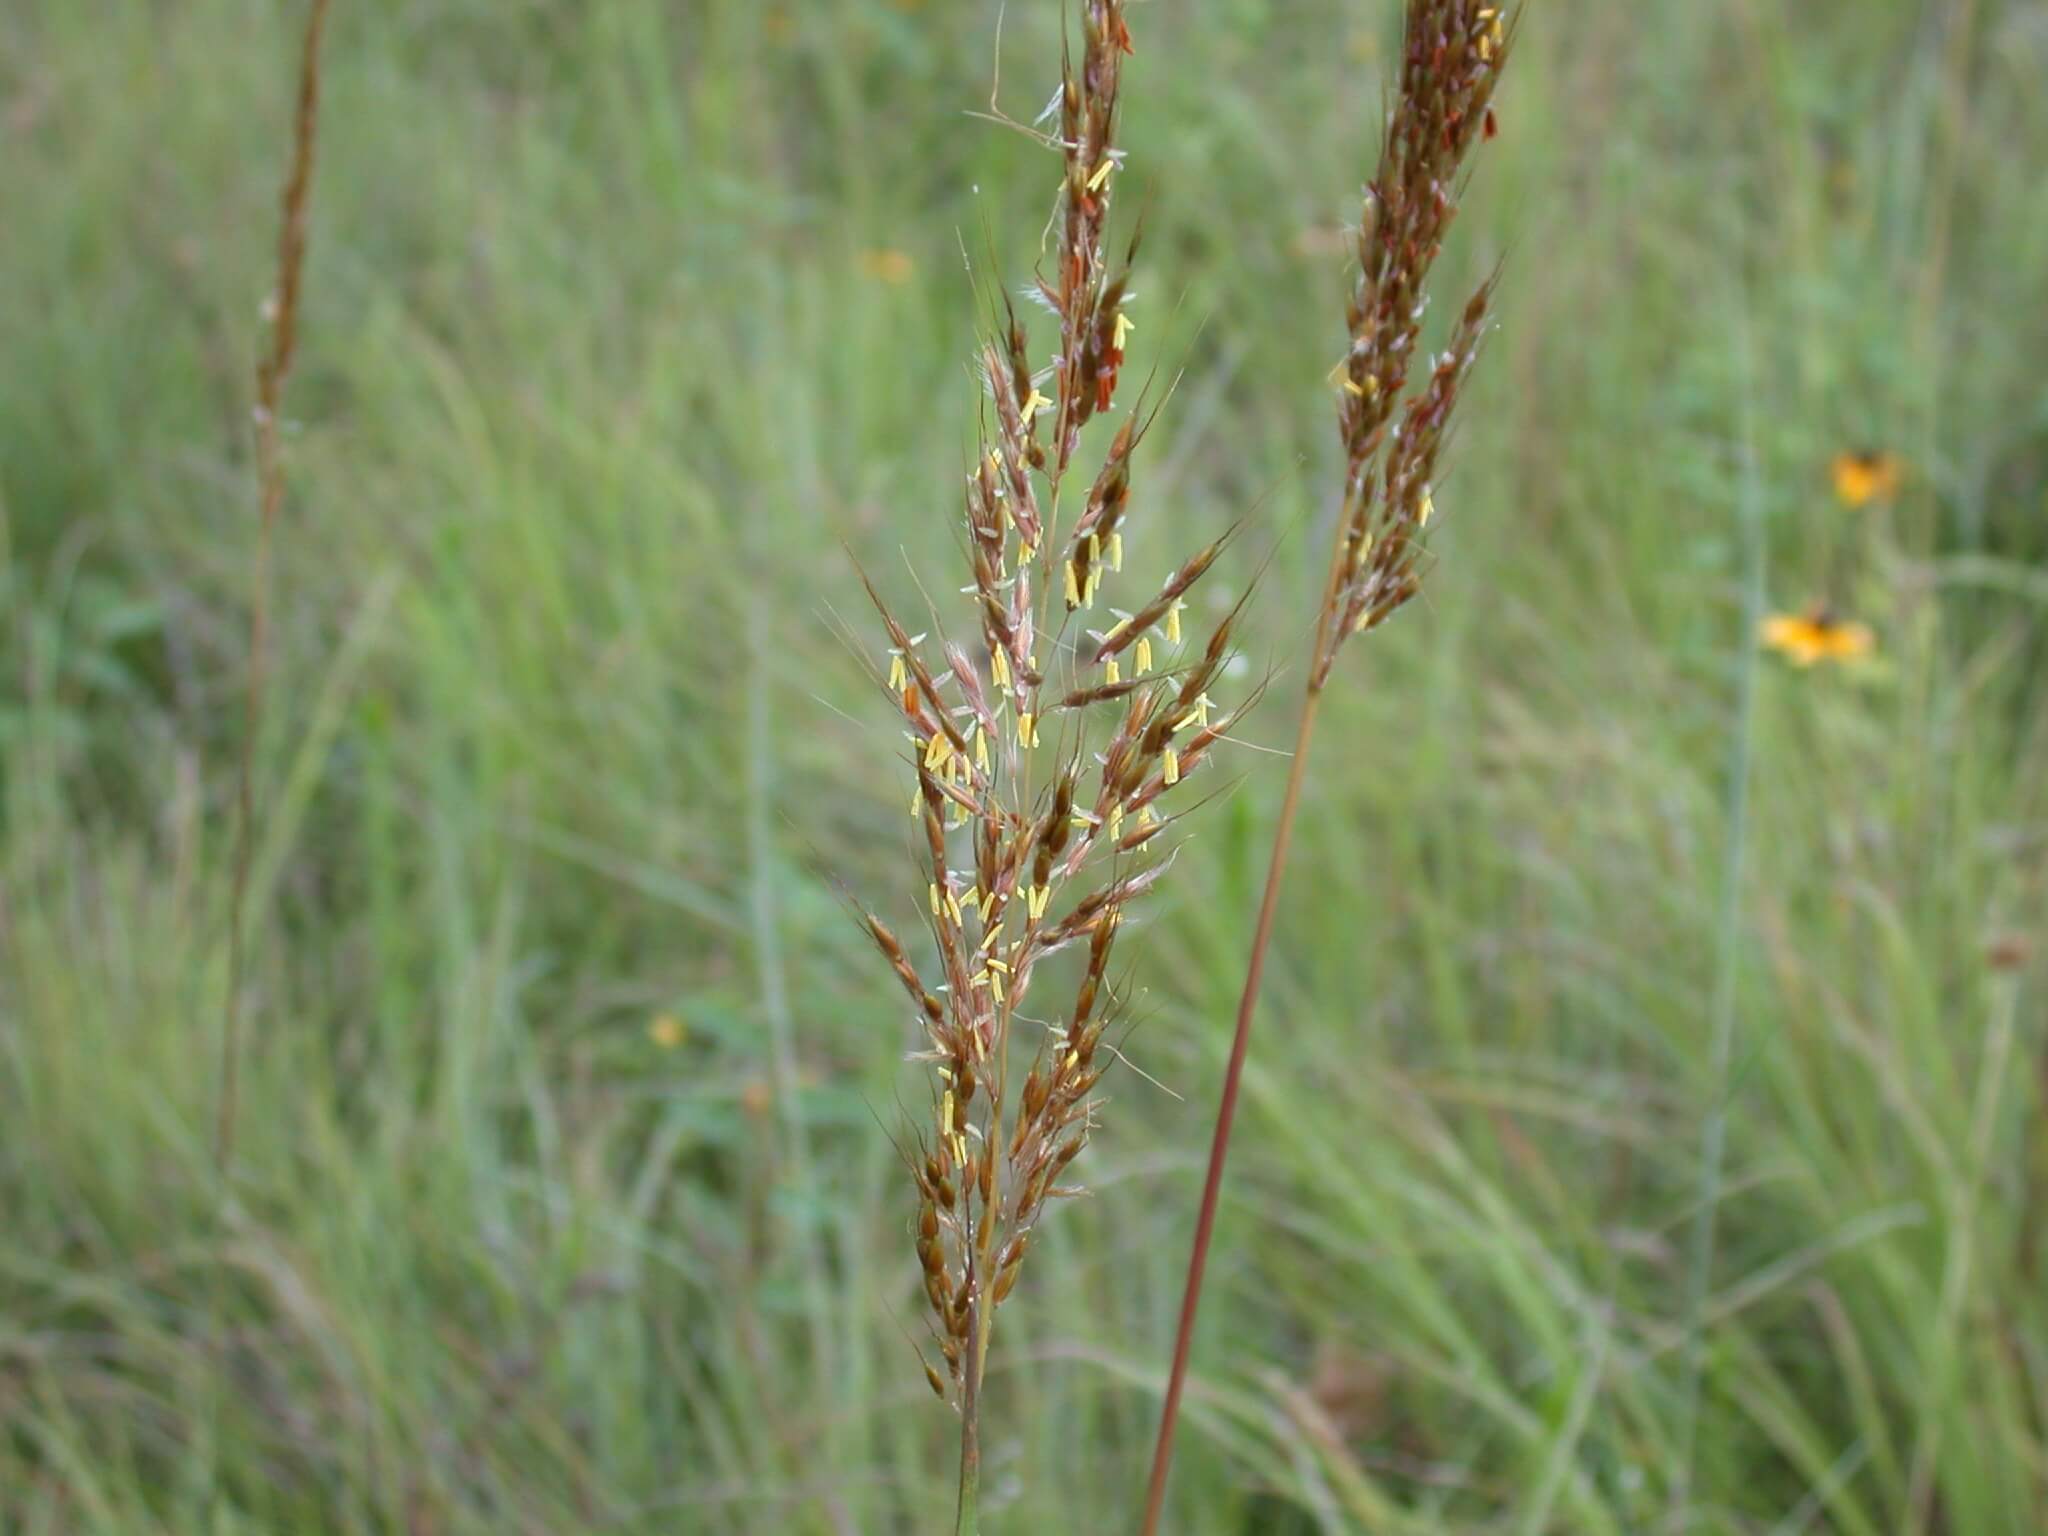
x: 1144, y: 657
x: 899, y: 675
x: 1027, y: 730
x: 946, y: 1112
x: 1033, y: 404
x: 935, y: 898
x: 1111, y: 675
x: 1172, y: 770
x: 1101, y: 175
x: 1123, y: 329
x: 1073, y: 586
x: 1423, y: 512
x: 999, y: 667
x: 1173, y: 621
x: 1116, y: 551
x: 1116, y: 820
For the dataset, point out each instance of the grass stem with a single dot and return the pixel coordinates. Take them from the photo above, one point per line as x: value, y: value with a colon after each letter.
x: 1727, y: 943
x: 1226, y: 1112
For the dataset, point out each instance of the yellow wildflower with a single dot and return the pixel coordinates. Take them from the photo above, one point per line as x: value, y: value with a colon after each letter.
x: 1866, y: 476
x: 1817, y: 635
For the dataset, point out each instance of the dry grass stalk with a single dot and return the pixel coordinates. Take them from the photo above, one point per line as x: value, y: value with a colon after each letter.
x: 1453, y: 52
x: 1041, y: 758
x: 272, y: 370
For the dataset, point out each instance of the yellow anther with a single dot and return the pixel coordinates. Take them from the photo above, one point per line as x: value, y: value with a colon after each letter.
x: 1073, y: 585
x: 1116, y: 820
x: 1111, y: 675
x: 1422, y: 513
x: 1027, y: 730
x: 1116, y: 551
x: 999, y: 667
x: 1124, y: 327
x: 899, y: 675
x: 1173, y: 621
x: 1101, y: 174
x: 1143, y: 660
x: 937, y: 750
x: 1172, y: 767
x: 1033, y: 404
x: 946, y: 1113
x: 935, y: 898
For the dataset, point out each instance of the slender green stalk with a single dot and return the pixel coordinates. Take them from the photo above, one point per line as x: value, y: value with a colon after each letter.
x: 1728, y: 952
x: 966, y: 1517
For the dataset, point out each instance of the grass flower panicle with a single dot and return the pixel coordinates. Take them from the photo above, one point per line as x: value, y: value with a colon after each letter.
x: 1452, y: 56
x: 1040, y: 764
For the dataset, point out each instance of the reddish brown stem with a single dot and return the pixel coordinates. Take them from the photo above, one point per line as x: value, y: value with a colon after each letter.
x: 1226, y: 1112
x: 271, y: 373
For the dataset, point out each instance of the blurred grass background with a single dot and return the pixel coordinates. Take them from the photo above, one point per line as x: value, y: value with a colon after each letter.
x: 563, y: 1200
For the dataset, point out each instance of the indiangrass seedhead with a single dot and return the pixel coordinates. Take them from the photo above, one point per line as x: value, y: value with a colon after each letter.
x: 1040, y: 755
x: 1452, y: 56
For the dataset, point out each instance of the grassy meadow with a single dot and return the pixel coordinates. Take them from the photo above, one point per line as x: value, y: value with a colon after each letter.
x: 563, y: 1197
